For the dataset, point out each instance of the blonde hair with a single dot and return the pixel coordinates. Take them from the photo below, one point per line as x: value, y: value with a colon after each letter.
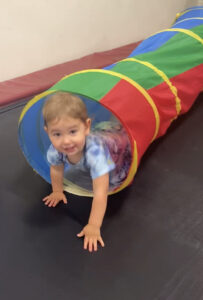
x: 64, y: 103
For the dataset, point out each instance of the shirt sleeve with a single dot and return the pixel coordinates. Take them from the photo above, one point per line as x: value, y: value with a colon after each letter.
x: 99, y: 159
x: 54, y: 157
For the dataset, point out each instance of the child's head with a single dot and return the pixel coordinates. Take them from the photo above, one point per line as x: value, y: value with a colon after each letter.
x: 64, y: 104
x: 66, y: 123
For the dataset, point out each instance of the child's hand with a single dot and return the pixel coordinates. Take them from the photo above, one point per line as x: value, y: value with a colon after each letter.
x: 53, y: 199
x: 92, y: 236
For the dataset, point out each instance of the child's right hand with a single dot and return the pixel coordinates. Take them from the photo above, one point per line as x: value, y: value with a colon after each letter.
x: 54, y: 198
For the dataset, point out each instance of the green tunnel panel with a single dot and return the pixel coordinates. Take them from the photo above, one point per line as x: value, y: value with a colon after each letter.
x: 92, y: 84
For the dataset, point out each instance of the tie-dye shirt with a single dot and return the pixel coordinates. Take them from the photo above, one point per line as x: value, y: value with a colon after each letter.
x: 96, y: 158
x: 107, y: 150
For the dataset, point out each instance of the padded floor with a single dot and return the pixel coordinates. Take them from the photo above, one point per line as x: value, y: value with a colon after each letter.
x: 153, y: 230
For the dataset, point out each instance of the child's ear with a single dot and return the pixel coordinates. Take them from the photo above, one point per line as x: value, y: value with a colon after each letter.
x: 88, y: 124
x: 45, y: 128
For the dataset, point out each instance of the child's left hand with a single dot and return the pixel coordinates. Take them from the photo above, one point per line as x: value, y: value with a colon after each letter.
x: 54, y: 198
x: 91, y: 235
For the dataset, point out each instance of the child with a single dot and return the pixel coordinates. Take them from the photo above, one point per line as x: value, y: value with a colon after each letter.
x: 100, y: 155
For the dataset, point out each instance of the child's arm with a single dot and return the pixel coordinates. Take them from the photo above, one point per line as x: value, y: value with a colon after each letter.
x: 92, y: 230
x: 100, y: 190
x: 56, y: 173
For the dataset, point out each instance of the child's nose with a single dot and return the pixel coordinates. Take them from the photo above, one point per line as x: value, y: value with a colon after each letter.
x: 66, y: 140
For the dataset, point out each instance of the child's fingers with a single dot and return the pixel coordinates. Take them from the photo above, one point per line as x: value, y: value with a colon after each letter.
x: 85, y: 242
x: 64, y: 200
x: 81, y: 234
x: 101, y: 241
x: 51, y: 203
x: 47, y: 202
x: 90, y: 245
x: 95, y: 245
x: 55, y: 203
x: 46, y: 198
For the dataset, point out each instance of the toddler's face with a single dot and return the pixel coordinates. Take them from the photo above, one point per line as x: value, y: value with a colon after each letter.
x: 68, y: 136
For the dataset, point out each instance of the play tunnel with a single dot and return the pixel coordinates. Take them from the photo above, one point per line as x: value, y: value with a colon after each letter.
x: 146, y: 91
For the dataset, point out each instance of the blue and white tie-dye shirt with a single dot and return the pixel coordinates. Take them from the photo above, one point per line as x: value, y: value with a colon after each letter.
x: 96, y: 159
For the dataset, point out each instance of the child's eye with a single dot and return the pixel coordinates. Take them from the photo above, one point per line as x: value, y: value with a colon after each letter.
x: 56, y: 134
x: 73, y: 131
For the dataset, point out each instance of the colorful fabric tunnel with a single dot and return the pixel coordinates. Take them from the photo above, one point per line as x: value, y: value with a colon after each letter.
x: 159, y: 81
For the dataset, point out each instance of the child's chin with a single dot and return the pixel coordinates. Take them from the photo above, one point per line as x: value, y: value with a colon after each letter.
x: 71, y: 153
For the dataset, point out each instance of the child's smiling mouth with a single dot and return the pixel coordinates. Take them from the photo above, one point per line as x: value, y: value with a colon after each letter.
x: 69, y: 149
